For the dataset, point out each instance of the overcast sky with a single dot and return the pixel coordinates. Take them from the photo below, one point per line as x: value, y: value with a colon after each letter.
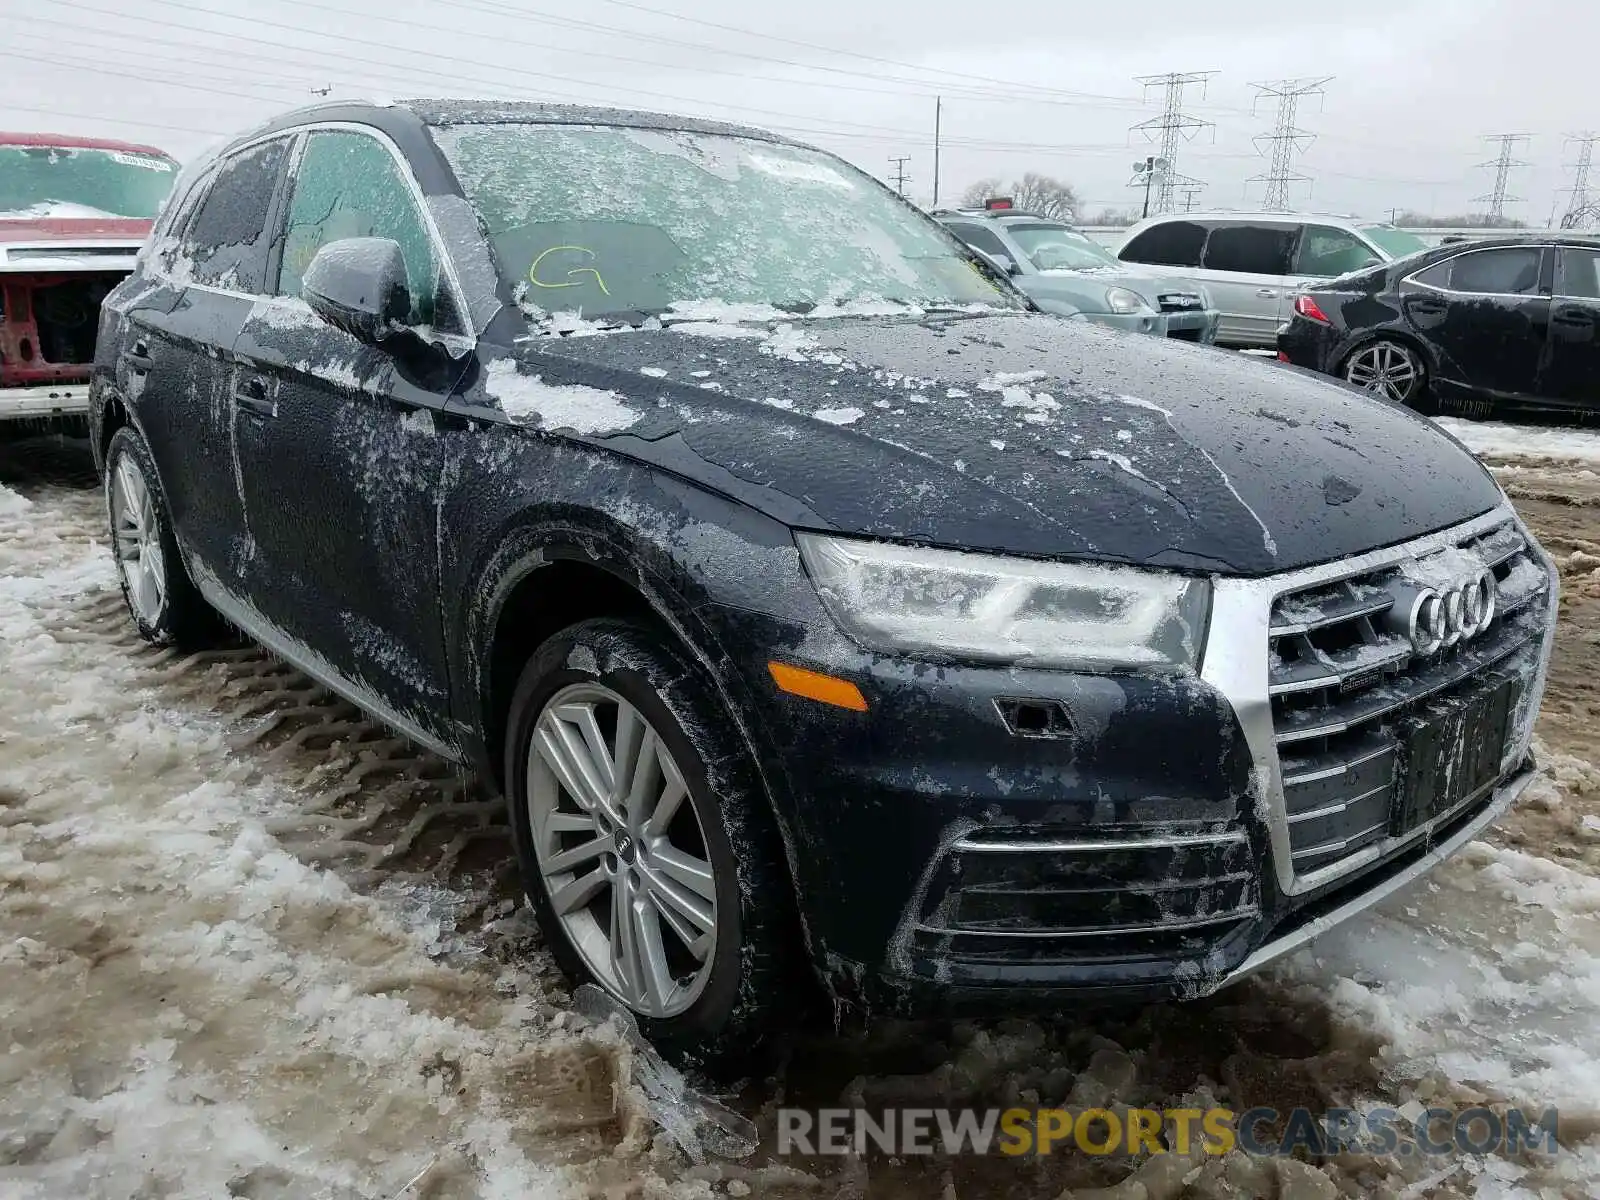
x: 1042, y: 85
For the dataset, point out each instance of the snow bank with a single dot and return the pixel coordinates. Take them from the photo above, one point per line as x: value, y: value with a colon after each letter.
x: 1498, y: 439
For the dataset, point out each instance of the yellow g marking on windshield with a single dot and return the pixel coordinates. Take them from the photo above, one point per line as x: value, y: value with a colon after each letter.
x: 533, y: 271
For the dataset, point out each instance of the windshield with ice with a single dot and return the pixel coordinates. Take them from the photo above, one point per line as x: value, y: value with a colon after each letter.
x: 1053, y: 247
x: 604, y: 220
x: 67, y: 181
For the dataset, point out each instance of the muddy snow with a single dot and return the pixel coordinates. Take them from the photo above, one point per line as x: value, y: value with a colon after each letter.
x: 253, y: 945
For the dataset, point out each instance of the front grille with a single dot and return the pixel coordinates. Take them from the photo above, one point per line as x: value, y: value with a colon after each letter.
x: 1179, y: 301
x: 1020, y: 894
x: 1374, y: 738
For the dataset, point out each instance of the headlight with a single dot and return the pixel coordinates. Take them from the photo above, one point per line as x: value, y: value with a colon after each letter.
x: 946, y: 603
x: 1121, y: 300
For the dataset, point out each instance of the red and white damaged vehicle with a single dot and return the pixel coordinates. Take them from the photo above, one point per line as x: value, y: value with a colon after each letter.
x: 74, y: 212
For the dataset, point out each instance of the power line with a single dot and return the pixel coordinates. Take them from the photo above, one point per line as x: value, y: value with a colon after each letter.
x: 1008, y: 86
x: 900, y: 176
x: 1172, y: 128
x: 1285, y: 139
x: 1581, y: 211
x: 1499, y: 198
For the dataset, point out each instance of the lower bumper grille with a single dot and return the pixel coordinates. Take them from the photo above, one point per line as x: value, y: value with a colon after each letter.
x: 1123, y: 895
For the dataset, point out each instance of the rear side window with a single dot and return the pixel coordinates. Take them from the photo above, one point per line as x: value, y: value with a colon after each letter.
x: 1326, y: 251
x: 226, y: 245
x: 977, y: 235
x: 1170, y: 244
x: 1249, y: 249
x: 1580, y: 274
x: 349, y: 185
x: 1506, y: 271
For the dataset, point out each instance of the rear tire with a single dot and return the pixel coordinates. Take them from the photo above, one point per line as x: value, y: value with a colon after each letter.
x: 591, y: 845
x: 1391, y: 369
x: 161, y: 598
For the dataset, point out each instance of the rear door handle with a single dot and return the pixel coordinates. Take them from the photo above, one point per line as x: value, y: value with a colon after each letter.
x: 138, y: 358
x: 251, y: 396
x: 1267, y: 293
x: 1577, y: 318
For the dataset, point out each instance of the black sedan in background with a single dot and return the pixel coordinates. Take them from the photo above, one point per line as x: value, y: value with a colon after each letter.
x: 1465, y: 328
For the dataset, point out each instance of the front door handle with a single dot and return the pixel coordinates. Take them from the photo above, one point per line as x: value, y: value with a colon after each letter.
x: 1575, y: 318
x: 1267, y: 293
x: 138, y: 358
x: 251, y: 397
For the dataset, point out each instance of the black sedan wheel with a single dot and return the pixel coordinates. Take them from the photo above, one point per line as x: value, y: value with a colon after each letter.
x: 1389, y: 369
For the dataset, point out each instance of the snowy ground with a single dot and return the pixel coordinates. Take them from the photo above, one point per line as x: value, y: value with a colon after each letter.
x: 252, y: 946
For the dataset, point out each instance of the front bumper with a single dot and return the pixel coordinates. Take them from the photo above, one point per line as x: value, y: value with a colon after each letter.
x: 1193, y: 325
x: 51, y: 401
x: 985, y: 838
x: 1139, y: 322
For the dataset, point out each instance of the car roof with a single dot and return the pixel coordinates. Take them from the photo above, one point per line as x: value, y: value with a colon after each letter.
x: 996, y: 214
x: 446, y: 111
x: 69, y: 141
x: 1222, y: 214
x: 1531, y: 237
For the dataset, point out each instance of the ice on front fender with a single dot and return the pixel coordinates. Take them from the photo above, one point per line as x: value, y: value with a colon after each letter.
x: 946, y: 603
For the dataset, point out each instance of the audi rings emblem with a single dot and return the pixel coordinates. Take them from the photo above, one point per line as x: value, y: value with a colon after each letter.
x: 1441, y: 618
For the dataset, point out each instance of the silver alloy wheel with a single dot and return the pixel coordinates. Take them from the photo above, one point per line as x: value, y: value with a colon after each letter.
x: 621, y: 852
x: 137, y: 538
x: 1387, y: 368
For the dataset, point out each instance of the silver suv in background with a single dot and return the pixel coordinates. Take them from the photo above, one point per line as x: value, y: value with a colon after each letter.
x: 1255, y: 264
x: 1062, y: 269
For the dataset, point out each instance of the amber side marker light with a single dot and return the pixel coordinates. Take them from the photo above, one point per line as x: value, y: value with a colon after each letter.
x: 813, y: 685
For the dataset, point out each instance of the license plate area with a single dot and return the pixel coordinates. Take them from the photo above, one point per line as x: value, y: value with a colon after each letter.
x: 1451, y: 751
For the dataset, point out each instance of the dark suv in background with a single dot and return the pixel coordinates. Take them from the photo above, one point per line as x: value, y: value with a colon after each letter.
x: 810, y: 595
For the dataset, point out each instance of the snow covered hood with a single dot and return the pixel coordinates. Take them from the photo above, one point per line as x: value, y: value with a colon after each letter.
x: 1015, y: 433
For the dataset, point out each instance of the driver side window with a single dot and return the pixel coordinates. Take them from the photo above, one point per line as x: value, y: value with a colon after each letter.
x: 1328, y: 252
x: 349, y: 185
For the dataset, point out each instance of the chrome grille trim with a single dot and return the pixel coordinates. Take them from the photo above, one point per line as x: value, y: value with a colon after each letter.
x: 1248, y: 913
x: 1237, y: 663
x: 1099, y: 845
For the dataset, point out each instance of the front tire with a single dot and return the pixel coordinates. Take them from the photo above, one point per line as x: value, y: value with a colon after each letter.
x: 161, y: 598
x: 644, y: 841
x: 1390, y: 369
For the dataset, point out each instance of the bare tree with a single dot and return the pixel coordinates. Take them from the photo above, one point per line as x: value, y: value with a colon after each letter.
x: 1045, y: 195
x: 1407, y: 219
x: 975, y: 195
x: 1114, y: 217
x: 1035, y: 193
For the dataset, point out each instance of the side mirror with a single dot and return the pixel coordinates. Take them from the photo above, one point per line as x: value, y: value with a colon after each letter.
x: 1000, y: 262
x: 359, y: 285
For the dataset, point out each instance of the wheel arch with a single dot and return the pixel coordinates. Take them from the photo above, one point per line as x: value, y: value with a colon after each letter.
x: 1404, y: 337
x: 558, y: 567
x: 110, y: 415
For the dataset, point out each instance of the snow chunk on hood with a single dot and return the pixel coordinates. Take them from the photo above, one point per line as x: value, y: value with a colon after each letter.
x: 839, y: 416
x: 585, y: 410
